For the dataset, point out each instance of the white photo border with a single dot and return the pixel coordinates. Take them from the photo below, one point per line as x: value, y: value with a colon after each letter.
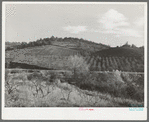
x: 70, y: 113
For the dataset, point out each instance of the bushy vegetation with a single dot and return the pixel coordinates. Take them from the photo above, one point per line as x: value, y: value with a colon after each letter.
x: 113, y: 84
x: 117, y: 84
x: 41, y: 89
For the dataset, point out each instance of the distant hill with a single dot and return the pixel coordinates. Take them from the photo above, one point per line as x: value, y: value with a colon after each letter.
x: 67, y: 42
x: 121, y: 52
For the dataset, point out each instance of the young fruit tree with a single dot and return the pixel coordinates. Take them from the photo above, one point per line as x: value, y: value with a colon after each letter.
x: 78, y: 65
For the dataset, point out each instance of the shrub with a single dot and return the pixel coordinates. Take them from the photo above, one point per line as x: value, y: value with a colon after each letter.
x: 105, y: 83
x: 127, y: 77
x: 130, y: 90
x: 53, y: 76
x: 89, y: 82
x: 134, y: 93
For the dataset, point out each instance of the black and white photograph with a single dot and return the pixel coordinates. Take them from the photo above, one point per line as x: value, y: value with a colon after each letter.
x: 84, y: 57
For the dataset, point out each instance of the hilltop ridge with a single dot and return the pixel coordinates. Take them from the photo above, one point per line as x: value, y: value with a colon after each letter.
x: 69, y: 42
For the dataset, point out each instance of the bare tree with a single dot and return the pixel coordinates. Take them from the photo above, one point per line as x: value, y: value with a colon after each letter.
x: 78, y: 65
x: 10, y: 85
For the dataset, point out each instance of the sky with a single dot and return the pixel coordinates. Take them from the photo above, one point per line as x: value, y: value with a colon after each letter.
x: 110, y: 24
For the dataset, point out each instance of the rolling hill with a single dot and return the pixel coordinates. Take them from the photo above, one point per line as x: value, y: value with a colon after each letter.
x: 70, y: 42
x: 99, y: 57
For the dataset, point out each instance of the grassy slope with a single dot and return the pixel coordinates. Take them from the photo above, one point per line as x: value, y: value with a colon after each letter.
x: 45, y: 51
x: 45, y: 56
x: 84, y: 45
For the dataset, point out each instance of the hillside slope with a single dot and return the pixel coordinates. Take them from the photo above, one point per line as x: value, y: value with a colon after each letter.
x: 47, y: 50
x: 120, y: 52
x: 53, y: 53
x: 48, y: 56
x: 63, y: 42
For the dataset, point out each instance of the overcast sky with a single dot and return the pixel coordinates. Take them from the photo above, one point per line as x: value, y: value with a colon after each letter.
x: 112, y: 24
